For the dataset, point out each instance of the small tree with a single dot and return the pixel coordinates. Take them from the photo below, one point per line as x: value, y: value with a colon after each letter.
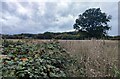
x: 93, y: 22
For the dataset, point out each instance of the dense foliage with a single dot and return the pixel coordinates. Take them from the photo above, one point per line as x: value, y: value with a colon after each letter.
x: 47, y: 35
x: 94, y: 22
x: 50, y: 35
x: 36, y: 60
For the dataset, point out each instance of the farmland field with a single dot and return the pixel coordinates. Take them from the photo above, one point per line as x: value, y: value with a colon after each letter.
x: 99, y: 56
x: 93, y: 58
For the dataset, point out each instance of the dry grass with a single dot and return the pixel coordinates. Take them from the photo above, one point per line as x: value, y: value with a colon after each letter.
x: 98, y: 57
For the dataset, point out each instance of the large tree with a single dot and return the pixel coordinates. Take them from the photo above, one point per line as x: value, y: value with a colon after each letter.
x: 94, y: 22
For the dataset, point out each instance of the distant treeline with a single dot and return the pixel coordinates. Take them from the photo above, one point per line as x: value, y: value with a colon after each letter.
x: 63, y: 36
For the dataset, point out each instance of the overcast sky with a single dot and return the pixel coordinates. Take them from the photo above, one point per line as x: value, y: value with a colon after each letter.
x: 56, y: 16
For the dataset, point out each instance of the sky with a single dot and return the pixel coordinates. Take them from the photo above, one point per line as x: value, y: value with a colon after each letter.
x: 38, y: 16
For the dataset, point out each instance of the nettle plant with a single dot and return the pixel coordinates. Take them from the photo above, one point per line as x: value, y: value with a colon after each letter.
x: 36, y: 60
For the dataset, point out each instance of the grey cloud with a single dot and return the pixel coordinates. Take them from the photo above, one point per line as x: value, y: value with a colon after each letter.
x: 50, y: 16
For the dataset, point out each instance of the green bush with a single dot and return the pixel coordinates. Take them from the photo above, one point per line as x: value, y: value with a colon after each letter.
x: 37, y: 60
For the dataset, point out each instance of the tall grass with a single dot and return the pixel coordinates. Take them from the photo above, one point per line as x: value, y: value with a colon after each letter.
x: 97, y: 57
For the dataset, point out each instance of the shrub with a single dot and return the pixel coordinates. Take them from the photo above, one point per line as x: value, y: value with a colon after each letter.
x: 36, y: 60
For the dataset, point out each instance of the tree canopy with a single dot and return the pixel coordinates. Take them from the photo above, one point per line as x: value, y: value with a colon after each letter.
x: 94, y: 22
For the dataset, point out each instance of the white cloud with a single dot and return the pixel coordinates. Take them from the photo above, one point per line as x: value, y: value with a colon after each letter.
x: 41, y: 8
x: 22, y: 10
x: 60, y: 0
x: 62, y: 20
x: 37, y: 17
